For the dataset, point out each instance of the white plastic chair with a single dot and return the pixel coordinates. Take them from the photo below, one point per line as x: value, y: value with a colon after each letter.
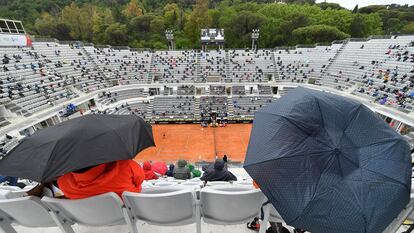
x: 164, y: 206
x: 29, y: 212
x: 214, y: 183
x: 198, y: 184
x: 250, y: 183
x: 230, y: 204
x: 164, y: 184
x: 101, y: 210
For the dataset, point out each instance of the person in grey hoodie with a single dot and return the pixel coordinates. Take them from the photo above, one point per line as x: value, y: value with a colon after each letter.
x: 181, y: 171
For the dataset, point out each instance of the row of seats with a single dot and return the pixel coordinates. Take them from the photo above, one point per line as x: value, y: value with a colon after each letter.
x: 224, y: 205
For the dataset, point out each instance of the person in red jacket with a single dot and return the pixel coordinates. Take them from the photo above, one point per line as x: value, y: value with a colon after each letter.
x: 118, y: 176
x: 149, y: 173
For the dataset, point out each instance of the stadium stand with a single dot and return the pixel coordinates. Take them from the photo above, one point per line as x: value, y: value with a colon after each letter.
x: 300, y: 64
x: 51, y: 73
x: 174, y: 108
x: 114, y: 96
x: 174, y: 66
x: 251, y: 66
x: 245, y: 106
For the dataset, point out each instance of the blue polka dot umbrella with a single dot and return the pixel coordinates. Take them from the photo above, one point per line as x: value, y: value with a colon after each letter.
x: 329, y: 164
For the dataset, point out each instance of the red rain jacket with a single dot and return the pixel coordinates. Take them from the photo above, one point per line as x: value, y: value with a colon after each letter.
x: 118, y: 176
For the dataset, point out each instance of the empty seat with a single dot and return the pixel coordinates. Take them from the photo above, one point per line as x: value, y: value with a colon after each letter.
x: 214, y: 183
x: 154, y: 206
x: 28, y: 212
x: 230, y: 204
x: 101, y: 210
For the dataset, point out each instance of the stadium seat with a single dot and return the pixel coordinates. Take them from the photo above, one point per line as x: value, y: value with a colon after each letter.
x: 164, y: 206
x: 101, y: 210
x: 28, y: 212
x: 214, y: 183
x: 164, y: 183
x: 230, y: 204
x: 193, y: 183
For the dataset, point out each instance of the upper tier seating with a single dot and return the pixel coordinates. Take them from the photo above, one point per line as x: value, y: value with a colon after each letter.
x: 213, y: 64
x: 251, y: 66
x: 124, y: 66
x: 303, y: 63
x: 175, y: 66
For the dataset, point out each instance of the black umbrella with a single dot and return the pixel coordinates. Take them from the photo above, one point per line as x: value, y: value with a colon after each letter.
x: 328, y: 164
x: 78, y: 143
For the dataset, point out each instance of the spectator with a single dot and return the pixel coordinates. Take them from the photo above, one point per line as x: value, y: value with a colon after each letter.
x: 219, y: 173
x: 118, y: 176
x: 194, y: 172
x: 182, y: 172
x: 170, y: 170
x: 149, y: 173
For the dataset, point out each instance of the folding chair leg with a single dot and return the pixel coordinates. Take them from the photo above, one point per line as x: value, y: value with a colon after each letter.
x: 62, y: 224
x: 198, y: 217
x: 130, y: 221
x: 263, y: 225
x: 6, y: 227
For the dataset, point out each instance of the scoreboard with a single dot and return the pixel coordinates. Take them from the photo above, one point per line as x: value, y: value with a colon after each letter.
x: 212, y: 36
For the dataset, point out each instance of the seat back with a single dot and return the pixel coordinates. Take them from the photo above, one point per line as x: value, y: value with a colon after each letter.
x: 100, y: 210
x: 164, y: 184
x: 26, y: 211
x: 214, y: 183
x: 230, y: 204
x: 165, y: 206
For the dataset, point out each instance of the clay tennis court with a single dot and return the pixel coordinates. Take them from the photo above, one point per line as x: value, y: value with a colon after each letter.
x: 194, y: 143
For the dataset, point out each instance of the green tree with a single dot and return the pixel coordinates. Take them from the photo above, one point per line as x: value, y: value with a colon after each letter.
x: 198, y: 19
x: 358, y: 27
x: 318, y: 33
x: 116, y: 34
x: 171, y: 15
x: 78, y: 20
x: 46, y: 25
x: 238, y: 31
x: 101, y: 21
x: 408, y: 29
x: 133, y: 9
x: 355, y: 10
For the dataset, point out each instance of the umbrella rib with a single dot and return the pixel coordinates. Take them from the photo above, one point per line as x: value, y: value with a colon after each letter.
x: 296, y: 125
x: 387, y: 177
x: 350, y: 122
x: 113, y: 130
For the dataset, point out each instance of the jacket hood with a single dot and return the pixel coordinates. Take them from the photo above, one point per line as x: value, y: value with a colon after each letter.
x: 219, y: 164
x: 191, y: 167
x: 147, y: 166
x: 172, y: 167
x: 181, y: 163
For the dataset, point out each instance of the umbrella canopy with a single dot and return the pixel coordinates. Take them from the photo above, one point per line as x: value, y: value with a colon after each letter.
x: 329, y: 164
x: 78, y: 143
x: 160, y: 167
